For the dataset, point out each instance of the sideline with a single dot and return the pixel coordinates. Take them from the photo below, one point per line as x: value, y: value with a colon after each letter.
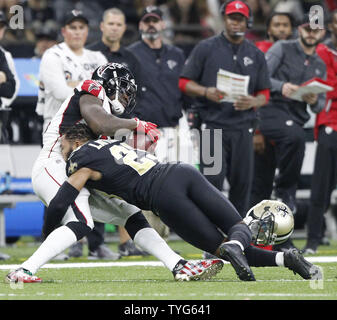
x: 319, y: 259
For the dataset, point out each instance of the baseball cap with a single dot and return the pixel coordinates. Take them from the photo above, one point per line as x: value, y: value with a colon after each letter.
x: 3, y: 18
x: 74, y: 15
x: 237, y: 7
x: 151, y: 11
x: 307, y: 20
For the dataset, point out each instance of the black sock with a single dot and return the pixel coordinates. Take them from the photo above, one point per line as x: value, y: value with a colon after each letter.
x: 240, y: 232
x: 258, y: 257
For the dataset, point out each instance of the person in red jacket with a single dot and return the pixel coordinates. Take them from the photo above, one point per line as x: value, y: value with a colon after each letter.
x: 324, y: 177
x: 279, y: 27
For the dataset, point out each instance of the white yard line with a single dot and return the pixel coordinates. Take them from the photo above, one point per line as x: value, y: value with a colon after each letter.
x: 321, y: 259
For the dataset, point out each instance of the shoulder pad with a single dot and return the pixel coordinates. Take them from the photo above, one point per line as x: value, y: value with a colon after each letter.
x: 94, y: 88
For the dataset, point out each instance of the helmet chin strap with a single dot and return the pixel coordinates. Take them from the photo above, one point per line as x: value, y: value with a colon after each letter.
x: 117, y: 107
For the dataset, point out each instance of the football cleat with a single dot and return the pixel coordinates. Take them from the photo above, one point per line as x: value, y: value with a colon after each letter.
x: 22, y: 275
x: 295, y: 262
x: 199, y: 270
x: 233, y: 253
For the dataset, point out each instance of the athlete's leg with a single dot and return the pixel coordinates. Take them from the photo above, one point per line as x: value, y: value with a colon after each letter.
x: 118, y: 212
x: 76, y: 223
x: 196, y: 210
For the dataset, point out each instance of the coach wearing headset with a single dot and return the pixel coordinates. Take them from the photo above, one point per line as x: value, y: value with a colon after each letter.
x: 228, y: 150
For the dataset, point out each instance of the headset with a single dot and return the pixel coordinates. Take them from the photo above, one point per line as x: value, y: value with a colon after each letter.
x: 250, y: 20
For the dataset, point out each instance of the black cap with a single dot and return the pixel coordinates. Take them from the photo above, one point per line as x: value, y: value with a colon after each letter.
x: 45, y: 33
x: 74, y: 15
x: 151, y: 11
x: 3, y: 18
x: 309, y: 20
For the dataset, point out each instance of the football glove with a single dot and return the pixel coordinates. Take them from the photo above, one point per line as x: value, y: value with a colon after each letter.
x: 148, y: 128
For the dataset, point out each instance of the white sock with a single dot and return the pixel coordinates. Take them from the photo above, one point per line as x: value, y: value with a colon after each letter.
x: 57, y: 241
x: 150, y: 241
x: 279, y: 259
x: 238, y: 243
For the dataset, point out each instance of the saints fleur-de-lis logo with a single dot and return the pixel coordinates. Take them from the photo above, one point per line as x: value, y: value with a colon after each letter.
x: 72, y: 167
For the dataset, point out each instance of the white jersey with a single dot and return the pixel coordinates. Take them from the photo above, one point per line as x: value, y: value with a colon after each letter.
x: 59, y: 65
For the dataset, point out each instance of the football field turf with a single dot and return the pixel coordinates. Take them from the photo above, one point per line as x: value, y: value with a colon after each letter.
x: 137, y: 278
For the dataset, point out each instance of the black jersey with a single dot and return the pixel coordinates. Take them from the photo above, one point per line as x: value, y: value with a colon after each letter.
x: 131, y: 174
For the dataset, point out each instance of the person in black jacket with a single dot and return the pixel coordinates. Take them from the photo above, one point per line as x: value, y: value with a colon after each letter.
x: 160, y: 101
x: 227, y: 151
x: 291, y: 63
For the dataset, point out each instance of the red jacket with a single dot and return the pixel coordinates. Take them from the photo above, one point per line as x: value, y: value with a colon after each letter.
x: 328, y: 116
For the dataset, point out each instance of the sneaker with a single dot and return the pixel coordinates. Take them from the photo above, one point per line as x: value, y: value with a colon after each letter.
x: 4, y: 256
x: 233, y: 253
x: 76, y: 250
x: 22, y: 275
x: 103, y: 252
x: 295, y: 262
x: 199, y: 270
x: 129, y: 249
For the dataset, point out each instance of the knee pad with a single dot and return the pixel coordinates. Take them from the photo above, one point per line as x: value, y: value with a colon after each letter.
x: 135, y: 223
x: 79, y: 228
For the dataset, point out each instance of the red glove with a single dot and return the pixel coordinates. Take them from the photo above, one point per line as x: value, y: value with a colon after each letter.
x: 148, y: 128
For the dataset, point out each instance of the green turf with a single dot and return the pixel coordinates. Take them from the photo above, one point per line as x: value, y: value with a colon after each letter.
x: 156, y: 283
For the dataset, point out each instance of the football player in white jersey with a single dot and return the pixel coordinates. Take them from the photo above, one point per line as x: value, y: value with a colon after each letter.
x: 93, y: 101
x: 65, y: 65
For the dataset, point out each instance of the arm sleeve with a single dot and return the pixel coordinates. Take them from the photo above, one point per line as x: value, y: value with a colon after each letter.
x: 274, y: 58
x: 52, y: 76
x: 263, y: 79
x: 194, y: 64
x: 58, y: 206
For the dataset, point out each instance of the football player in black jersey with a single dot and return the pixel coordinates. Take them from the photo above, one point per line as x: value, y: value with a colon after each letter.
x: 178, y: 193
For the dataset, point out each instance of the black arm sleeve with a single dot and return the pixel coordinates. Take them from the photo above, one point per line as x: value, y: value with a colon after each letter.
x: 58, y: 206
x: 7, y: 89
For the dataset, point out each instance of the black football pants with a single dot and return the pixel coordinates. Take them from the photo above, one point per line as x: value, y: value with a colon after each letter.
x: 197, y: 212
x: 323, y: 181
x: 233, y: 151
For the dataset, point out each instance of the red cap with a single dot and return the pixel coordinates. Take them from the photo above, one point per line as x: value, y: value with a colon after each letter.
x: 237, y: 7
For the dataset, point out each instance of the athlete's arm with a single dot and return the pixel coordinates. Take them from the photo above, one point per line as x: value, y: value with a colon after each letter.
x: 99, y: 121
x: 103, y: 123
x: 65, y: 197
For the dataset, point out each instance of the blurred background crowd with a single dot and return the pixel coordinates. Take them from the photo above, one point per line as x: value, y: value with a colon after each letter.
x: 187, y: 21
